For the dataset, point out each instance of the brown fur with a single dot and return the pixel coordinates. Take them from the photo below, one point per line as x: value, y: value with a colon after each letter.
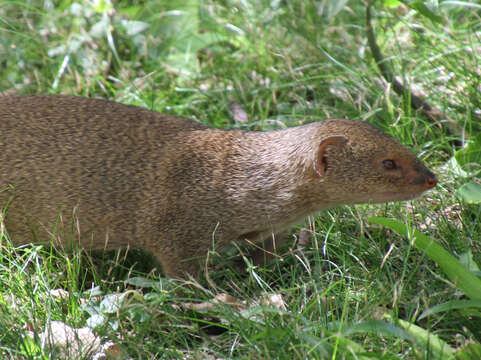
x: 134, y: 177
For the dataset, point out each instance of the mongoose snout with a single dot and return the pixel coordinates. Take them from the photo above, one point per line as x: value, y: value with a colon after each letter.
x: 133, y: 177
x: 431, y: 181
x: 428, y: 179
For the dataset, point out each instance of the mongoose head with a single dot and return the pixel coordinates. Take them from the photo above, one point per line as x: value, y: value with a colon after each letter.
x: 361, y: 164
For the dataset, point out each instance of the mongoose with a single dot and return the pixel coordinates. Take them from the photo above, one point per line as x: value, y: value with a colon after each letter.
x: 123, y: 176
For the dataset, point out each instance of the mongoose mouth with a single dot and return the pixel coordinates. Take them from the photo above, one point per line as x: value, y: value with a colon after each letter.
x: 427, y: 182
x: 393, y: 196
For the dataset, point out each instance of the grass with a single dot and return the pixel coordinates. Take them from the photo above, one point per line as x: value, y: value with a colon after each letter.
x: 358, y: 289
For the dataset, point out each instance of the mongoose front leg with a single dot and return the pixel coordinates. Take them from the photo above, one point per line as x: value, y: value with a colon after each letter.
x: 180, y: 262
x: 181, y: 271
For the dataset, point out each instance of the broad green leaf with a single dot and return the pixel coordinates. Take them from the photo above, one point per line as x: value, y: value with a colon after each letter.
x: 469, y: 4
x: 134, y: 27
x: 182, y: 30
x: 391, y: 3
x: 95, y: 291
x: 101, y: 6
x: 457, y: 169
x: 438, y: 349
x: 467, y: 259
x: 334, y: 7
x: 469, y: 193
x: 378, y: 327
x: 471, y: 351
x: 76, y: 9
x: 451, y: 305
x: 464, y: 279
x: 177, y: 23
x: 129, y: 11
x: 96, y: 320
x: 420, y: 7
x: 111, y: 303
x: 100, y: 28
x: 471, y: 154
x: 469, y: 158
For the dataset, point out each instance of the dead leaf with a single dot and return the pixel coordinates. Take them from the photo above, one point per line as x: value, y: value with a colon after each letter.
x: 110, y: 351
x: 211, y: 305
x: 59, y: 294
x: 238, y: 113
x: 304, y: 237
x: 276, y: 301
x: 73, y: 342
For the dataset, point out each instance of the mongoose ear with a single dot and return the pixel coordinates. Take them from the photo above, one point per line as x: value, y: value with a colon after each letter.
x: 322, y: 163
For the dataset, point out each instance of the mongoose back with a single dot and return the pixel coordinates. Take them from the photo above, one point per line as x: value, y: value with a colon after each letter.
x: 126, y: 176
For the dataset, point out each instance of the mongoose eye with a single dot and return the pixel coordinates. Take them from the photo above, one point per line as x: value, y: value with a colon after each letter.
x: 389, y: 164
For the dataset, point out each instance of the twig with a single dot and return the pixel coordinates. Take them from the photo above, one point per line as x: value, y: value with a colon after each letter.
x: 417, y: 103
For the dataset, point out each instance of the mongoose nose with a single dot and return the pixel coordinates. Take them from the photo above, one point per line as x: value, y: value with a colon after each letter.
x: 431, y: 182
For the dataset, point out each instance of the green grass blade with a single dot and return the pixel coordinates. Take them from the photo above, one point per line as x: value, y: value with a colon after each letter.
x: 464, y: 279
x: 438, y: 348
x: 377, y: 327
x: 404, y: 330
x: 471, y: 351
x: 452, y: 305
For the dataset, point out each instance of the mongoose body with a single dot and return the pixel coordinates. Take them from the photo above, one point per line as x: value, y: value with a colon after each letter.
x: 118, y: 175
